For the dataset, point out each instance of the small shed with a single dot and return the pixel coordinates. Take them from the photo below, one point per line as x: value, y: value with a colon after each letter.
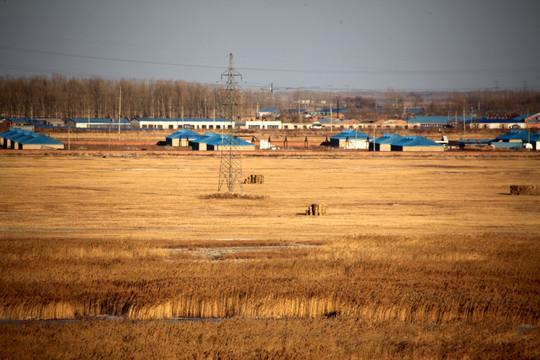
x: 385, y: 142
x: 350, y: 139
x: 182, y: 137
x: 417, y: 143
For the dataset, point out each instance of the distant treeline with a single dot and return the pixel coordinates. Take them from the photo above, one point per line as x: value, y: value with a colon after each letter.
x: 59, y: 96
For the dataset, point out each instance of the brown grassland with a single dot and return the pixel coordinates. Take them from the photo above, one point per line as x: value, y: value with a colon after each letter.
x: 418, y: 256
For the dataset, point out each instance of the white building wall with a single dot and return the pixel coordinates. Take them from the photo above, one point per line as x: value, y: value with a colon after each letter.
x: 259, y: 124
x: 204, y: 125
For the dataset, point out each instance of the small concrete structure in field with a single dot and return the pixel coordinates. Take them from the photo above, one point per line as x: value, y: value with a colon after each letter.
x: 266, y: 145
x: 524, y: 190
x: 316, y: 210
x: 254, y: 179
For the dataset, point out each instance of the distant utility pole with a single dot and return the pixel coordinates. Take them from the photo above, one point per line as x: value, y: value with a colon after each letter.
x: 463, y: 117
x: 119, y: 110
x: 230, y: 171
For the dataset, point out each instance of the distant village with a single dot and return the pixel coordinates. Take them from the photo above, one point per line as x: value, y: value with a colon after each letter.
x: 271, y: 118
x: 207, y: 134
x: 190, y: 112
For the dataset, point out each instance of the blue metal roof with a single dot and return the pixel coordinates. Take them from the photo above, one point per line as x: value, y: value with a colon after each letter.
x: 222, y: 140
x: 28, y: 137
x: 13, y: 133
x: 523, y: 135
x: 294, y: 111
x: 507, y: 145
x: 184, y: 134
x: 484, y: 120
x: 411, y: 140
x: 39, y: 139
x: 522, y: 117
x: 327, y: 110
x: 473, y: 141
x: 18, y: 120
x: 351, y: 134
x: 391, y: 139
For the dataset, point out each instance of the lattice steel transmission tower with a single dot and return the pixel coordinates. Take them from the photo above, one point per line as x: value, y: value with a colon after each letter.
x: 230, y: 171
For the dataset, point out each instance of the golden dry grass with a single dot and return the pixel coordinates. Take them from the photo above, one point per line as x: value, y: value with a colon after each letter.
x: 266, y: 339
x: 414, y: 252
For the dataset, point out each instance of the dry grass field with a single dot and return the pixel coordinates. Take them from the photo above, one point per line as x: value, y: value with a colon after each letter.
x: 418, y: 256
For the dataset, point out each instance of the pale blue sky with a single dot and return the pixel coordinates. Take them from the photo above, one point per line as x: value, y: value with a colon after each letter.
x: 339, y: 44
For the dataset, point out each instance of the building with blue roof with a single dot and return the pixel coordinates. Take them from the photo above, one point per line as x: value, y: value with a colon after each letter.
x: 415, y: 111
x: 337, y: 123
x: 435, y: 121
x: 350, y: 139
x: 102, y: 123
x: 21, y: 139
x: 182, y: 137
x: 182, y: 123
x: 259, y: 124
x: 518, y: 139
x: 338, y: 113
x: 416, y: 143
x: 216, y: 142
x: 385, y: 142
x: 496, y: 123
x: 26, y: 123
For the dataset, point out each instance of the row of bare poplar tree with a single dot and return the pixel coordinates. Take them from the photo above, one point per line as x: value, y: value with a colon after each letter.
x: 59, y: 96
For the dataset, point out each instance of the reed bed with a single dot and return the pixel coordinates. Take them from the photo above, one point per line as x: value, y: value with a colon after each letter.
x: 480, y: 278
x: 266, y: 339
x: 416, y: 257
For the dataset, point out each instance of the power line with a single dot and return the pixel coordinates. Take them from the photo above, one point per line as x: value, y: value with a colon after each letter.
x: 45, y: 52
x: 288, y: 70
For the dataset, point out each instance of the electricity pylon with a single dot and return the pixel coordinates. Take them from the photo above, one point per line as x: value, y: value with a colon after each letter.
x: 230, y: 171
